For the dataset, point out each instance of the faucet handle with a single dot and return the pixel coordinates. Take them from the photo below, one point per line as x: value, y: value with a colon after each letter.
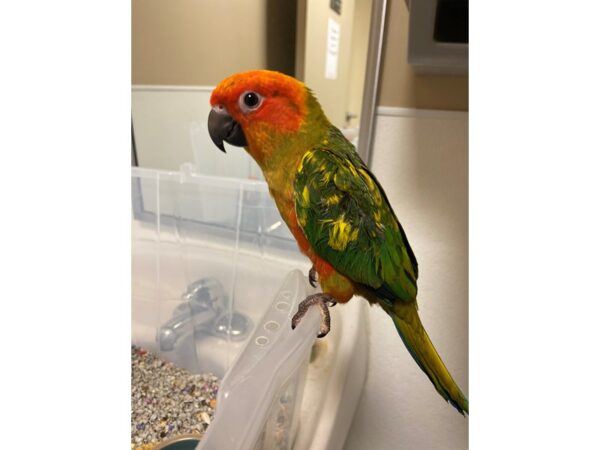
x: 201, y: 310
x: 205, y: 294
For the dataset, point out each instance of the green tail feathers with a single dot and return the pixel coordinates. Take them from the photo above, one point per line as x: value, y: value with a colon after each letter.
x: 419, y: 345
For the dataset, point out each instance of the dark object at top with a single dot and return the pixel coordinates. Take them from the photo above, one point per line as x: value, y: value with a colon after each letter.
x: 452, y: 21
x: 336, y: 5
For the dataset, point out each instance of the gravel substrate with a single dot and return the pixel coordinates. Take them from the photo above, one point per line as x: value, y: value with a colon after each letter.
x: 167, y: 401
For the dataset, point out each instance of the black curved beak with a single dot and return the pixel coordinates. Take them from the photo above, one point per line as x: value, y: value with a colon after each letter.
x: 222, y: 127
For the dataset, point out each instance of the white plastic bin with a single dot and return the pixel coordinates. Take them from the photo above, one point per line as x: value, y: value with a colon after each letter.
x: 213, y: 265
x: 223, y: 241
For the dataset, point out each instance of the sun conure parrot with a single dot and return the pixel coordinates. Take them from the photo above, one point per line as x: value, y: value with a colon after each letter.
x: 333, y: 205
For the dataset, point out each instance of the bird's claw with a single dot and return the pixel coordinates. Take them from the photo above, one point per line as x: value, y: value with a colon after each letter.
x: 324, y: 302
x: 313, y: 277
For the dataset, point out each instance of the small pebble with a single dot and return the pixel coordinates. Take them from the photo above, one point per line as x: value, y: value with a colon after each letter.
x: 166, y: 401
x: 205, y: 417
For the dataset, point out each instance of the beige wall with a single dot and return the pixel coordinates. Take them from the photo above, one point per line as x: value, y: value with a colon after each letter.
x: 192, y: 42
x: 332, y: 94
x: 358, y: 60
x: 400, y: 86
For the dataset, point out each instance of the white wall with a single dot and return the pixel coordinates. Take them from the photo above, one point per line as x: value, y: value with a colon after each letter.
x: 170, y: 125
x: 421, y: 159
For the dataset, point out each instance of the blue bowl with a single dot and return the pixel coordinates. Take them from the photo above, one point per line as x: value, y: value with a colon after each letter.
x: 179, y: 443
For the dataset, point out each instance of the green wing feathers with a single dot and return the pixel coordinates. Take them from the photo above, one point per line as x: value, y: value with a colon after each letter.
x: 349, y: 222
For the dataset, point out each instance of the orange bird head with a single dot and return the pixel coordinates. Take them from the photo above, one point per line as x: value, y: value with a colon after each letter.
x: 257, y: 110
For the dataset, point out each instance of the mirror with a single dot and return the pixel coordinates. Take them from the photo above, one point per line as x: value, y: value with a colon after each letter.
x: 181, y: 50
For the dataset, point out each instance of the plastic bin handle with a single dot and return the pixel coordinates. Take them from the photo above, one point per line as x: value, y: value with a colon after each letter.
x: 248, y: 390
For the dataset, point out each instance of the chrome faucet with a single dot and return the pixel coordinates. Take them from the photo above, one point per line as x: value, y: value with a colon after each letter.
x: 203, y: 311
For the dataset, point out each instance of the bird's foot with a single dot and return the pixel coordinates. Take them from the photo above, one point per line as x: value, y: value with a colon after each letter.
x: 324, y: 302
x: 313, y: 277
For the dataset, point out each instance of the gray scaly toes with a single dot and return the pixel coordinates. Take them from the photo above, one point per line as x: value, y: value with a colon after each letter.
x: 324, y: 302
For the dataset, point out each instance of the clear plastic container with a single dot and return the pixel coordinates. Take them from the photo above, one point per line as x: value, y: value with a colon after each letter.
x: 213, y: 290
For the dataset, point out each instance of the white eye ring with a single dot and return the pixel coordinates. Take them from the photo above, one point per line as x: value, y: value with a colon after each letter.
x: 250, y: 101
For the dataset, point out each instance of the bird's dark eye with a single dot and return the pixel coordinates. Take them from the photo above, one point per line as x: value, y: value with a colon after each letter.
x: 250, y: 101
